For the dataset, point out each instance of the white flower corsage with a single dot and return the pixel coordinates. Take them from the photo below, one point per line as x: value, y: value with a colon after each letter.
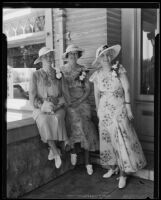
x: 114, y: 74
x: 115, y: 69
x: 58, y: 73
x: 82, y: 75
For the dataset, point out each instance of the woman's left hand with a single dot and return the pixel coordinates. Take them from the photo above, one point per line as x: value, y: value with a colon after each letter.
x: 129, y: 113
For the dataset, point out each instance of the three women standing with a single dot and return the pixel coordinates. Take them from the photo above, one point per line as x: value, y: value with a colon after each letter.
x: 119, y: 145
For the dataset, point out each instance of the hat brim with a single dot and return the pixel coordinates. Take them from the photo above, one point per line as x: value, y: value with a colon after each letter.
x: 39, y: 58
x: 116, y: 49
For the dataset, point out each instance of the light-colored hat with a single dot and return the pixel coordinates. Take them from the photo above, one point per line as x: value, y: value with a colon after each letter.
x: 105, y: 48
x: 43, y: 51
x: 71, y: 48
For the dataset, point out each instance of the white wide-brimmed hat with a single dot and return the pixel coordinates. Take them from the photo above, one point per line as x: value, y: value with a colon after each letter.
x: 71, y: 48
x: 43, y: 51
x: 105, y: 48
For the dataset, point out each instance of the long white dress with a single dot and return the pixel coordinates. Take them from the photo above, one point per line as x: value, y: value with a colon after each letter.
x: 119, y: 144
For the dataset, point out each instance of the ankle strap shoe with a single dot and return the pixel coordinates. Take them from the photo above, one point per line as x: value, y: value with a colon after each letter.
x: 111, y: 172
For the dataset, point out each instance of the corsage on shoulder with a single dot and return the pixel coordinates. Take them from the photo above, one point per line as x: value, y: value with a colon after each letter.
x: 82, y: 75
x: 115, y: 69
x: 58, y: 73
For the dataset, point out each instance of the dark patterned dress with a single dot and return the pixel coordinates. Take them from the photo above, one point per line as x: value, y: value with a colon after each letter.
x: 119, y: 144
x: 79, y: 125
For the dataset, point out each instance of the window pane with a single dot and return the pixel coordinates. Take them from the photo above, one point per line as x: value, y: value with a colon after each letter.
x: 148, y: 27
x: 20, y: 66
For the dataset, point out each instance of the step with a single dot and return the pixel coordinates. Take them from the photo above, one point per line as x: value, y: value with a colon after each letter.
x: 146, y: 173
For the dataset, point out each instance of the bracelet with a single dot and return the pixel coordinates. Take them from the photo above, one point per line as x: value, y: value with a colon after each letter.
x: 127, y: 102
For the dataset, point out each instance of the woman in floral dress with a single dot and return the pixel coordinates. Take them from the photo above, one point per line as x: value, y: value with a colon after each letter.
x: 49, y: 98
x: 79, y: 125
x: 119, y: 144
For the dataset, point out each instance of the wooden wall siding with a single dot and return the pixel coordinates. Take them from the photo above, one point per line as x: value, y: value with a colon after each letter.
x: 88, y: 29
x: 114, y: 27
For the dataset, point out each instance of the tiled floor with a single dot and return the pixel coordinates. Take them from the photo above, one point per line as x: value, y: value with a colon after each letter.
x: 76, y: 184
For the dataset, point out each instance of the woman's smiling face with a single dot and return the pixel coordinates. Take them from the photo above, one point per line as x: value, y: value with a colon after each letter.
x: 105, y: 58
x: 73, y: 57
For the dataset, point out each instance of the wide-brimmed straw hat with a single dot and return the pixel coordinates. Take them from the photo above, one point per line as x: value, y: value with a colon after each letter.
x: 43, y: 51
x: 105, y: 48
x: 71, y: 48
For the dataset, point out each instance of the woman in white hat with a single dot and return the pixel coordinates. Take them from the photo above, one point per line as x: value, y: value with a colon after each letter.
x: 79, y: 125
x: 48, y: 97
x: 119, y: 145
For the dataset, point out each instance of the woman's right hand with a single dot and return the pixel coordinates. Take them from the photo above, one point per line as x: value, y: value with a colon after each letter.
x: 47, y: 107
x: 75, y: 104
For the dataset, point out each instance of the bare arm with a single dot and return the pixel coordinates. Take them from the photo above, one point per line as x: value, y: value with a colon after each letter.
x: 96, y: 95
x: 126, y: 87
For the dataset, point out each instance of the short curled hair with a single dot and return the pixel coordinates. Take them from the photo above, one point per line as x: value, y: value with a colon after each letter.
x: 79, y: 54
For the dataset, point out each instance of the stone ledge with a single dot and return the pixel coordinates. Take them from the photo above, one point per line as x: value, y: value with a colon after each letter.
x: 145, y: 174
x: 21, y: 130
x: 20, y: 123
x: 28, y: 166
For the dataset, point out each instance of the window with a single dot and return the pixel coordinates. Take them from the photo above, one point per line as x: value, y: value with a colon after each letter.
x: 21, y: 59
x: 26, y: 33
x: 148, y: 28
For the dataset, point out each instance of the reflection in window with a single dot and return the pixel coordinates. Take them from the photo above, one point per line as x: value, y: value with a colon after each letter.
x: 148, y: 27
x: 20, y: 66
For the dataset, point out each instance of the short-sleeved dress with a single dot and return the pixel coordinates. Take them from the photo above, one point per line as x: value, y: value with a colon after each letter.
x: 119, y: 144
x: 50, y: 126
x: 80, y: 128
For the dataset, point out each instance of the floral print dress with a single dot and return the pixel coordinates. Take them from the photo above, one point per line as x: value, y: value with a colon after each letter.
x: 119, y: 144
x: 80, y: 128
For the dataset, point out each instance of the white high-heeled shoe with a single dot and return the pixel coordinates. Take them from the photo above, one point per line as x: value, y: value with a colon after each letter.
x: 51, y: 155
x: 122, y: 181
x: 89, y: 169
x: 111, y: 172
x: 57, y: 161
x: 73, y: 158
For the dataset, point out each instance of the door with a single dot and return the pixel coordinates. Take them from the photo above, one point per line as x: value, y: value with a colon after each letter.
x: 144, y: 77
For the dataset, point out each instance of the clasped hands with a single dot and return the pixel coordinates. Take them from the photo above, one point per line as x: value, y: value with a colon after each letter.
x: 75, y: 103
x: 50, y: 105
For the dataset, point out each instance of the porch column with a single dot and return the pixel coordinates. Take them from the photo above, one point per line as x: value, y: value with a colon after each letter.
x: 128, y: 25
x: 60, y: 20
